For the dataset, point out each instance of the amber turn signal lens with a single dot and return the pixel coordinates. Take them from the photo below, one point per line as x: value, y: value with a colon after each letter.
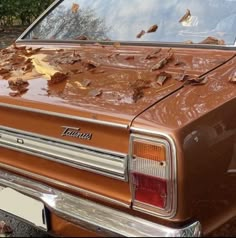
x: 156, y: 152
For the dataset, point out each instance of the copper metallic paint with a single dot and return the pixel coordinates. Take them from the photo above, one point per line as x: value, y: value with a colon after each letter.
x: 200, y: 119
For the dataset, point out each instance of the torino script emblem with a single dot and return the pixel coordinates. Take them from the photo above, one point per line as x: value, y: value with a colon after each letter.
x: 76, y: 133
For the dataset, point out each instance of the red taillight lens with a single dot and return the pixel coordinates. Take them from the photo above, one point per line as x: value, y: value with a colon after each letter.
x: 152, y: 175
x: 150, y: 190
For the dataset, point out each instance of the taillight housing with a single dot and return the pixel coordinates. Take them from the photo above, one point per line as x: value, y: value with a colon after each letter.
x: 152, y: 171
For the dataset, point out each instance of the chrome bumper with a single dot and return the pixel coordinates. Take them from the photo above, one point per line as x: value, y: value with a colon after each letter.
x: 100, y: 219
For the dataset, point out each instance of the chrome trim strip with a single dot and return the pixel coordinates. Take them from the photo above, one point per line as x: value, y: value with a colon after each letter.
x: 110, y: 165
x: 103, y: 220
x: 65, y: 116
x: 161, y: 136
x: 54, y: 182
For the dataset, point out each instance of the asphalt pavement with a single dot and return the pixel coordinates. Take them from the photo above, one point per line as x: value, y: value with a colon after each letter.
x: 20, y: 228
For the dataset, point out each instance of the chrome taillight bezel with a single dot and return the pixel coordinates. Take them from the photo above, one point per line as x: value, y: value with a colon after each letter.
x: 167, y: 141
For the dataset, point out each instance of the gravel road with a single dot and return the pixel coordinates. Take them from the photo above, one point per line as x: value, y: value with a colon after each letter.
x: 20, y: 228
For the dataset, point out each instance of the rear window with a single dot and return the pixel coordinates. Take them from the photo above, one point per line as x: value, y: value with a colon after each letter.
x: 190, y: 21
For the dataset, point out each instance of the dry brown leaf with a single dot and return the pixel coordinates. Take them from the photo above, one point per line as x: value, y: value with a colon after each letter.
x: 116, y: 45
x: 182, y: 78
x: 4, y: 71
x: 152, y: 29
x: 142, y: 33
x: 130, y: 57
x: 186, y: 16
x: 153, y: 55
x: 212, y: 41
x: 86, y: 83
x: 162, y: 77
x: 162, y: 62
x: 90, y: 65
x: 57, y: 78
x: 82, y: 37
x: 96, y: 93
x: 4, y: 228
x: 75, y: 8
x: 232, y: 78
x: 197, y: 81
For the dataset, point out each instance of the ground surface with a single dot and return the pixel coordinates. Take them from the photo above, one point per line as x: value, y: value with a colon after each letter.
x: 9, y: 34
x: 20, y: 228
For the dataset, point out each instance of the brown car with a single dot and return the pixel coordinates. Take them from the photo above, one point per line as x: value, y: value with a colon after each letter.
x: 118, y: 118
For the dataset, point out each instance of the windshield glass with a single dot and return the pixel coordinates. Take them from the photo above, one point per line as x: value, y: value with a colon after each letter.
x: 190, y: 21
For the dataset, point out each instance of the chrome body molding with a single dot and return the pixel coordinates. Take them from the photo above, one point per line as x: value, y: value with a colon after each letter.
x: 163, y: 138
x: 109, y: 164
x: 103, y: 220
x: 54, y: 182
x: 65, y: 116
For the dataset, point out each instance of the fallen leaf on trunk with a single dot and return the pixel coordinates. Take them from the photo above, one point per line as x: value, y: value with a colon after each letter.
x: 162, y: 62
x: 4, y: 71
x: 142, y: 33
x: 85, y: 83
x: 197, y: 81
x: 162, y: 77
x: 186, y: 16
x: 138, y: 89
x: 57, y: 78
x: 116, y: 45
x: 90, y: 65
x: 95, y: 93
x: 182, y: 78
x: 153, y: 55
x: 232, y: 78
x: 152, y: 29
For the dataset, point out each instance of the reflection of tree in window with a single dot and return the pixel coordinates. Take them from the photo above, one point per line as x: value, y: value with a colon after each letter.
x: 64, y: 25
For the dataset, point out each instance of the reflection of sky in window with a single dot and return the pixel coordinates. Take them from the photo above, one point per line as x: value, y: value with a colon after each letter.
x: 126, y: 19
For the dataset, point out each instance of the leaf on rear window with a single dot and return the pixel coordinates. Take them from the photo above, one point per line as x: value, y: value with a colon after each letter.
x: 75, y: 8
x: 186, y: 16
x: 142, y: 33
x: 212, y: 41
x: 152, y: 29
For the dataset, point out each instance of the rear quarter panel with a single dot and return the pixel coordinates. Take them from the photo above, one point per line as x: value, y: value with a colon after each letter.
x: 202, y: 121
